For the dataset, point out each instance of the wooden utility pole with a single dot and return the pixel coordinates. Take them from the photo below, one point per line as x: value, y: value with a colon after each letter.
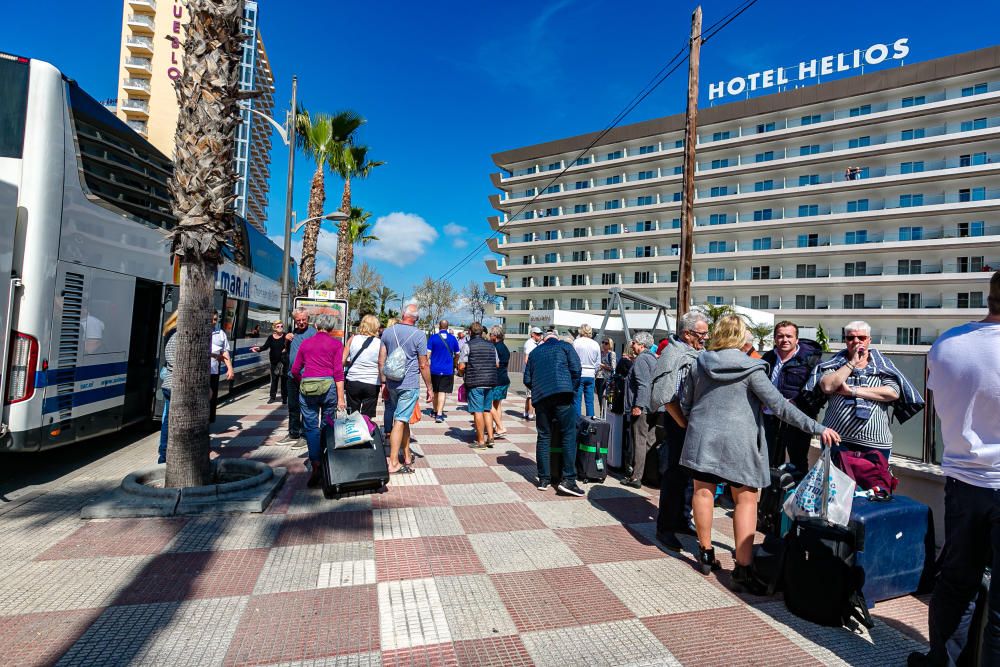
x: 684, y: 276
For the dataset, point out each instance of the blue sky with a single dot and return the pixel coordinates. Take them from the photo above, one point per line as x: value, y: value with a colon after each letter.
x: 446, y: 84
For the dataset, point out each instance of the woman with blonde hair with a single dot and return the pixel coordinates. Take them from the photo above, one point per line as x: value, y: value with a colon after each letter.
x: 362, y: 367
x: 725, y: 440
x: 166, y: 380
x: 277, y: 349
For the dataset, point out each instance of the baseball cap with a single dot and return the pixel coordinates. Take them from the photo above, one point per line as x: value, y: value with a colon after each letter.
x: 536, y: 330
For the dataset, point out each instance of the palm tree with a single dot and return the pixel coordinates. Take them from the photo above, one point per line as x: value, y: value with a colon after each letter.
x: 351, y: 161
x: 761, y: 333
x: 714, y: 313
x: 203, y: 193
x: 323, y: 138
x: 385, y: 295
x: 358, y: 226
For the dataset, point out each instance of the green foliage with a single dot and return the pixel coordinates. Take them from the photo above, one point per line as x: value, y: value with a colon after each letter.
x: 822, y: 338
x: 761, y: 333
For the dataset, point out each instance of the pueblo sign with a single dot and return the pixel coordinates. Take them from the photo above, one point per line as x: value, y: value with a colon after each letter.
x: 810, y: 69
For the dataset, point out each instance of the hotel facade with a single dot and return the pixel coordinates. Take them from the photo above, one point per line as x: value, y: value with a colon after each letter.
x: 150, y: 62
x: 872, y: 197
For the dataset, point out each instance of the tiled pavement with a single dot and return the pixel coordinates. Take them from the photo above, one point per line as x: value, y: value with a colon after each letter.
x: 462, y: 563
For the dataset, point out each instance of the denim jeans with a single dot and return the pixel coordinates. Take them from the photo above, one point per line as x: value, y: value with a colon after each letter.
x: 676, y: 488
x: 314, y: 408
x: 585, y: 391
x: 294, y: 411
x: 164, y: 428
x: 971, y: 543
x: 556, y: 413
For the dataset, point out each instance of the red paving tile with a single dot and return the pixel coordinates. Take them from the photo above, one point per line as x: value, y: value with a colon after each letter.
x: 723, y: 637
x: 558, y: 598
x: 907, y: 614
x: 450, y: 448
x: 417, y: 557
x: 629, y: 510
x: 466, y: 475
x: 188, y: 576
x: 116, y: 537
x: 498, y: 518
x: 508, y: 651
x: 409, y: 496
x: 325, y: 528
x: 607, y: 544
x: 306, y: 625
x: 40, y: 639
x: 432, y: 655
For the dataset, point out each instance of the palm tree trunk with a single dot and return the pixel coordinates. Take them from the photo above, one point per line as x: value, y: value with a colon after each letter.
x: 188, y: 449
x: 345, y: 250
x: 310, y: 240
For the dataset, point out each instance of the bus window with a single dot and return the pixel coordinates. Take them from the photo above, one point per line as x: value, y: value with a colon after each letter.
x: 265, y: 256
x: 258, y: 321
x: 13, y: 104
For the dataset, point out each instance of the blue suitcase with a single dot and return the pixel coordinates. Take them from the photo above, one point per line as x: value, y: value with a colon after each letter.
x: 894, y: 545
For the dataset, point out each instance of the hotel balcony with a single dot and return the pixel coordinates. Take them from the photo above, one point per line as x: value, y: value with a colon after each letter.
x: 136, y: 86
x: 135, y: 108
x: 143, y: 5
x: 139, y: 126
x: 141, y: 23
x: 139, y: 65
x: 139, y: 44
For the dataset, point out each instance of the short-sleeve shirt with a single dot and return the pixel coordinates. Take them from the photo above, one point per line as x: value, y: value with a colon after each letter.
x: 220, y: 344
x: 414, y: 344
x: 840, y: 413
x: 443, y: 348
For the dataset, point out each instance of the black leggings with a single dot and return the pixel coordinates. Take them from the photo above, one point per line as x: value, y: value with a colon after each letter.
x: 361, y: 397
x: 279, y: 379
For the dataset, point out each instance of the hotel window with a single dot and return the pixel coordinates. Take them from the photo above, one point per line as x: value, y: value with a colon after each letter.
x: 646, y: 175
x: 554, y: 165
x: 911, y: 233
x: 918, y: 133
x: 970, y: 264
x: 678, y: 170
x: 966, y: 229
x: 859, y: 142
x: 553, y: 189
x: 644, y: 251
x: 525, y: 282
x: 718, y: 191
x: 525, y: 304
x: 855, y: 269
x: 808, y: 179
x: 977, y: 124
x: 609, y: 278
x: 677, y: 196
x: 907, y: 335
x: 673, y: 276
x: 643, y: 150
x: 977, y: 89
x: 809, y: 120
x: 766, y: 156
x: 760, y: 273
x: 718, y: 218
x: 906, y: 201
x: 854, y: 301
x: 720, y: 163
x: 642, y: 278
x: 581, y: 208
x: 522, y: 327
x: 528, y: 215
x: 611, y: 253
x: 613, y: 180
x: 528, y: 237
x: 549, y: 281
x: 552, y: 235
x: 552, y: 211
x: 856, y: 205
x: 907, y: 300
x: 577, y: 279
x: 644, y: 226
x: 675, y: 249
x: 763, y: 214
x: 806, y: 210
x: 548, y: 304
x: 612, y: 229
x: 613, y: 155
x: 972, y: 159
x: 605, y: 302
x: 862, y: 110
x: 972, y: 194
x: 717, y: 246
x: 579, y: 256
x: 970, y: 299
x: 805, y: 301
x: 581, y: 185
x: 856, y: 237
x: 762, y: 243
x: 675, y: 223
x: 713, y: 300
x: 761, y: 186
x: 911, y: 167
x: 716, y: 274
x: 551, y: 258
x: 811, y: 149
x: 808, y: 240
x: 913, y: 101
x: 761, y: 302
x: 580, y: 161
x: 579, y: 232
x: 527, y: 259
x: 646, y: 200
x: 719, y: 136
x: 765, y: 127
x: 908, y: 267
x: 576, y: 304
x: 805, y: 270
x: 612, y: 204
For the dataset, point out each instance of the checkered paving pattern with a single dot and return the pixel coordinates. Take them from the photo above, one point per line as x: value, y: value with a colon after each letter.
x: 463, y: 562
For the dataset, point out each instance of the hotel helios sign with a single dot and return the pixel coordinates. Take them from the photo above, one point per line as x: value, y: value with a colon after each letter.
x: 810, y: 69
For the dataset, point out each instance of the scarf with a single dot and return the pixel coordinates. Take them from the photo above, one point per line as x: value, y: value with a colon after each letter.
x: 909, y: 403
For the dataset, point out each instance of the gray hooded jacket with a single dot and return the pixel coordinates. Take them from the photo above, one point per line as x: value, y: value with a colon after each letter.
x: 725, y: 436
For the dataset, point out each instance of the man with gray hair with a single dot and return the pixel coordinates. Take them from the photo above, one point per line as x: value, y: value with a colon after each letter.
x: 301, y: 332
x: 672, y: 371
x: 403, y: 393
x: 645, y: 422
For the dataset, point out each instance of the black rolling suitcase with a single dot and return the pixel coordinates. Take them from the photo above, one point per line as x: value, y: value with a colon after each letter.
x: 361, y: 468
x: 771, y: 518
x: 593, y: 436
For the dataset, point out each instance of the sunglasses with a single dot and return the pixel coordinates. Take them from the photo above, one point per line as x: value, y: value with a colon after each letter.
x: 855, y: 337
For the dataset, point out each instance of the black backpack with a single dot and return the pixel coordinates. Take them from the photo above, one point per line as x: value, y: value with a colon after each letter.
x: 822, y: 584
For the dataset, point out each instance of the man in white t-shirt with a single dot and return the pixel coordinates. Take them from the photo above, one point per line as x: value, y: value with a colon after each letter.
x: 534, y: 338
x: 220, y: 353
x: 964, y: 374
x: 590, y: 360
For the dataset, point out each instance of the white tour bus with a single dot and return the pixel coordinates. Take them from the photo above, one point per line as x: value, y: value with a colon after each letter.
x: 86, y: 277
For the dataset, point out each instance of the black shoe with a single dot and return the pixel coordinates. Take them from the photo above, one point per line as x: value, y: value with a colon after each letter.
x: 315, y: 478
x: 634, y: 483
x: 543, y: 485
x: 571, y: 489
x: 917, y: 659
x: 669, y: 540
x: 745, y: 580
x: 707, y: 561
x: 686, y: 530
x: 271, y: 400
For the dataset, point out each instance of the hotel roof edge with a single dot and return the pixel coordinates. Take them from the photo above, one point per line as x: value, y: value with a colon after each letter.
x: 887, y: 79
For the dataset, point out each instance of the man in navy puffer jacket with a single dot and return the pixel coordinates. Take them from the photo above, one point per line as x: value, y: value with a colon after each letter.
x: 553, y: 375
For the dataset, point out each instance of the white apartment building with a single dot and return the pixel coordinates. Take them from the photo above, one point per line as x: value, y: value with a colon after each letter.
x: 873, y: 197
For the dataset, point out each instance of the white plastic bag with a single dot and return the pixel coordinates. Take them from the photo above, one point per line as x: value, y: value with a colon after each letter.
x: 351, y: 431
x: 825, y: 482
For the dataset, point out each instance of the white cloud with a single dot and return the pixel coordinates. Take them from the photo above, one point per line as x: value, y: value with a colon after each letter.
x: 403, y: 238
x: 453, y: 229
x: 459, y: 243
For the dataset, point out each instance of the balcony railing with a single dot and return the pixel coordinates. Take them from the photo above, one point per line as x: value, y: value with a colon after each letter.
x: 142, y: 84
x: 141, y: 63
x: 141, y: 19
x: 135, y: 105
x: 141, y: 43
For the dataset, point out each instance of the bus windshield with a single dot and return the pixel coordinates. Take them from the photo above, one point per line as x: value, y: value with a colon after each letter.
x: 13, y: 104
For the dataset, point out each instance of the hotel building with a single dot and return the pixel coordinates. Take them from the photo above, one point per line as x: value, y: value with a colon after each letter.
x: 873, y: 197
x: 150, y: 62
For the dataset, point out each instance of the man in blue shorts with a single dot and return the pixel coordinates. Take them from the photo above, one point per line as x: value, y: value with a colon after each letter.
x: 443, y: 348
x: 403, y: 394
x: 478, y: 363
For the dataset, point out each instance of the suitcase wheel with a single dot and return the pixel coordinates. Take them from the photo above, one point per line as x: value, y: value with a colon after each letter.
x: 328, y: 493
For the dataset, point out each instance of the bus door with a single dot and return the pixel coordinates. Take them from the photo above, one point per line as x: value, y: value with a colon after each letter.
x: 8, y: 221
x: 168, y: 305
